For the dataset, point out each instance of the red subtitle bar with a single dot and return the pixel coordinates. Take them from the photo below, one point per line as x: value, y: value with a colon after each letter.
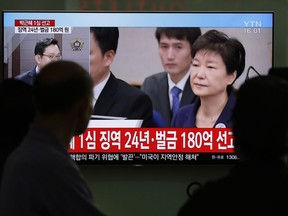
x: 27, y: 22
x: 146, y: 140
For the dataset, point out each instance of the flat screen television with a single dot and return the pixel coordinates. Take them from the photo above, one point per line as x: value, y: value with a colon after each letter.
x: 137, y: 57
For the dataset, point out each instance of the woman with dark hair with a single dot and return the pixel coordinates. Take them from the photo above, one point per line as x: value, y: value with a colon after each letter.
x: 217, y: 61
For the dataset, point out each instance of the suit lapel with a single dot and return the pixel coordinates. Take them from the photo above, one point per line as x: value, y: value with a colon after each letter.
x: 107, y: 97
x: 164, y: 98
x: 32, y: 75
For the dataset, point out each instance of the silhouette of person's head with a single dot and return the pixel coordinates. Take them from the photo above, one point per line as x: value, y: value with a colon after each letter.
x: 260, y: 118
x: 16, y: 108
x: 16, y: 114
x: 281, y: 72
x: 63, y: 93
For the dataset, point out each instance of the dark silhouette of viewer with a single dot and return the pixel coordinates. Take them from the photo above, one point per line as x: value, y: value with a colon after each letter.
x: 281, y: 72
x: 40, y: 177
x: 16, y: 114
x: 258, y: 184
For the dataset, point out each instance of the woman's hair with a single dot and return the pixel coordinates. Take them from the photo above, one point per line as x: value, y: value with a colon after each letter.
x: 230, y: 49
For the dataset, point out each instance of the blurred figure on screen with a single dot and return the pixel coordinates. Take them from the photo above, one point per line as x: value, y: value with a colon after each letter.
x: 258, y: 184
x: 112, y: 96
x: 217, y: 61
x: 46, y: 50
x: 15, y: 96
x: 175, y: 46
x: 40, y: 177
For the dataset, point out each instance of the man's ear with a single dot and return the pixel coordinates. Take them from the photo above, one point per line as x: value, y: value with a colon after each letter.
x: 38, y: 58
x: 109, y: 57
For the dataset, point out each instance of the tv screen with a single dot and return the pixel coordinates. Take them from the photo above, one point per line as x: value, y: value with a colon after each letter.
x: 120, y: 141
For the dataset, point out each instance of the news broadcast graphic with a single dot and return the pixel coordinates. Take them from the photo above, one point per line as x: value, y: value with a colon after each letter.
x: 39, y: 26
x: 153, y: 145
x: 119, y: 142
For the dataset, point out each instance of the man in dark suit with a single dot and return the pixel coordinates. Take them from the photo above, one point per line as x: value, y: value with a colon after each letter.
x: 46, y: 50
x: 112, y: 96
x: 175, y: 53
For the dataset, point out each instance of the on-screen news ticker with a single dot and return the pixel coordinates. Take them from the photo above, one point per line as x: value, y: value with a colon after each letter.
x: 153, y: 145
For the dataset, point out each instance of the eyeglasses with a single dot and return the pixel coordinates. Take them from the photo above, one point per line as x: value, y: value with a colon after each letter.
x: 53, y: 57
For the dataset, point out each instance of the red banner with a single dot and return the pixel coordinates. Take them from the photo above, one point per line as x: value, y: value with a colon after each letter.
x: 156, y: 140
x: 26, y: 22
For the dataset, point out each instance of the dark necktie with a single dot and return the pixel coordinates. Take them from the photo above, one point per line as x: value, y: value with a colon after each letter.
x: 175, y: 99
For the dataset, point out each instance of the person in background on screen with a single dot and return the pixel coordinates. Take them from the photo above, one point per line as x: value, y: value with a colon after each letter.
x: 112, y: 96
x: 46, y: 50
x: 175, y: 46
x: 40, y: 177
x: 217, y: 61
x: 258, y: 184
x: 16, y: 114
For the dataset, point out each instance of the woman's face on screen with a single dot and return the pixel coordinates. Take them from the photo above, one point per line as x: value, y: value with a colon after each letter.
x: 209, y: 75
